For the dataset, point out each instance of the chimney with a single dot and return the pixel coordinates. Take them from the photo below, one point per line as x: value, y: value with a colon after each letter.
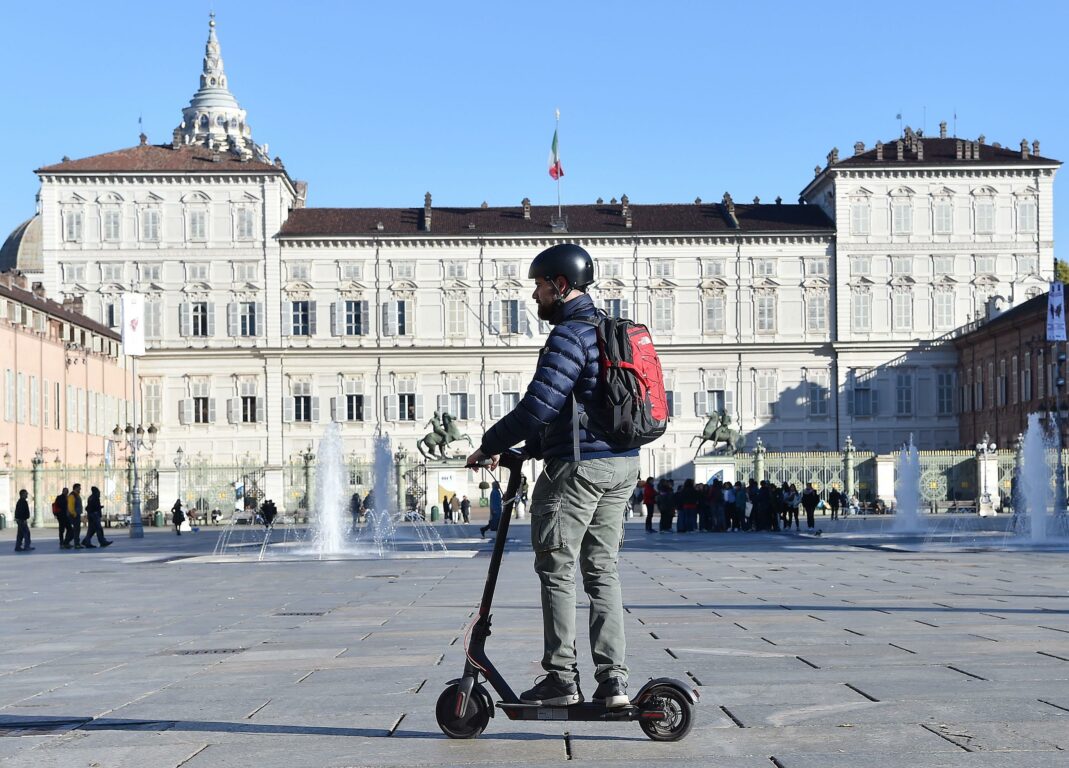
x: 943, y: 129
x: 526, y: 203
x: 816, y: 170
x: 21, y: 281
x: 38, y: 290
x: 1024, y: 149
x: 729, y: 209
x: 626, y: 206
x: 879, y: 150
x: 73, y: 304
x: 1035, y: 147
x: 5, y: 278
x: 957, y: 150
x: 900, y: 148
x: 485, y: 205
x: 143, y: 139
x: 599, y: 201
x: 612, y: 201
x: 920, y: 149
x: 756, y: 200
x: 627, y: 218
x: 833, y: 156
x: 976, y: 150
x: 859, y: 148
x: 427, y: 212
x: 697, y: 201
x: 779, y: 200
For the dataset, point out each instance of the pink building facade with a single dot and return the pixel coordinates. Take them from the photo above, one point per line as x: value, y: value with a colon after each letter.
x: 63, y: 385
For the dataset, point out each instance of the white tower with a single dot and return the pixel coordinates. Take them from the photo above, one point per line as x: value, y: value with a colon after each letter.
x: 214, y: 118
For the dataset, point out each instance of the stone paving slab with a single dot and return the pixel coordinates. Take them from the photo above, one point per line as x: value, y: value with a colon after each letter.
x: 827, y: 653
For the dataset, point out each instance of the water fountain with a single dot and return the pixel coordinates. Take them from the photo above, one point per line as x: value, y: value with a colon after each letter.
x: 1037, y: 522
x: 908, y: 491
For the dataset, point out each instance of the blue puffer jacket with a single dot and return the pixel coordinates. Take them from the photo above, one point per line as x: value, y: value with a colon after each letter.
x: 543, y: 418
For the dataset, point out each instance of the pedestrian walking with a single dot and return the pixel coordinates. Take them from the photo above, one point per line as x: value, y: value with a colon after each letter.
x: 454, y: 504
x: 810, y: 497
x: 465, y: 509
x: 177, y: 517
x: 74, y: 514
x: 835, y: 500
x: 354, y: 510
x: 447, y: 510
x: 268, y: 513
x: 649, y: 498
x: 635, y: 508
x: 496, y: 506
x: 22, y: 521
x: 793, y: 500
x: 93, y: 515
x: 59, y: 511
x: 730, y: 515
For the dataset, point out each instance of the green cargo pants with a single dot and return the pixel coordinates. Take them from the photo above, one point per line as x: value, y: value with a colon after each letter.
x: 577, y: 511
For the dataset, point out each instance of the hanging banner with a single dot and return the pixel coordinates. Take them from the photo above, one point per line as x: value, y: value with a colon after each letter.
x: 133, y: 324
x: 1056, y: 312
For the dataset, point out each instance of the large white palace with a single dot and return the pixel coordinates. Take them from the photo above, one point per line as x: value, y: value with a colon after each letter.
x: 806, y: 321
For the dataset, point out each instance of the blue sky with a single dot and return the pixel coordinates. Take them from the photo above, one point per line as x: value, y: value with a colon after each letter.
x: 376, y: 103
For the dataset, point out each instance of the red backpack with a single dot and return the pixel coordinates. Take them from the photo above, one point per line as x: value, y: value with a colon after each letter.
x: 634, y: 410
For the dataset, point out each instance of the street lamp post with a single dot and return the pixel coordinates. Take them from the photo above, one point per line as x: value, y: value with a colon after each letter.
x: 399, y: 457
x: 308, y: 457
x: 1059, y: 384
x: 38, y: 513
x: 985, y: 449
x: 134, y: 438
x: 179, y: 462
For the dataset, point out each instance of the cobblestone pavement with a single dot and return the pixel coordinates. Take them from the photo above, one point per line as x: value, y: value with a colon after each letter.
x: 807, y: 651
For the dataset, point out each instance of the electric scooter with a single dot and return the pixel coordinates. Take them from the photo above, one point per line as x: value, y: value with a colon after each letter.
x: 663, y: 707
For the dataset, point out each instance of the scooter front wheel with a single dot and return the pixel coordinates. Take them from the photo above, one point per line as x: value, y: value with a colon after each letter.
x: 469, y: 723
x: 679, y: 714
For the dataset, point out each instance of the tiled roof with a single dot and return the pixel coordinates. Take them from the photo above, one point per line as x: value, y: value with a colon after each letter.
x: 944, y: 152
x: 50, y: 307
x: 1031, y: 310
x: 152, y: 158
x: 582, y: 220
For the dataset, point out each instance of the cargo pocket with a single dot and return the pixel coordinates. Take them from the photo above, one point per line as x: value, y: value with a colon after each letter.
x: 546, y: 535
x: 595, y: 476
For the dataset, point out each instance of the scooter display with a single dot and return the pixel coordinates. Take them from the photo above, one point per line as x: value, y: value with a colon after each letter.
x: 663, y: 707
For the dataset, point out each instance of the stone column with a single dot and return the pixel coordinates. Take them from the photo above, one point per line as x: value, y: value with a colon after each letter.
x: 759, y: 460
x: 848, y: 468
x: 38, y: 513
x: 885, y: 479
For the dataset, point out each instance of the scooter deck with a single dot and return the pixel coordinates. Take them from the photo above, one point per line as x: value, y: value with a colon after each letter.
x: 582, y: 711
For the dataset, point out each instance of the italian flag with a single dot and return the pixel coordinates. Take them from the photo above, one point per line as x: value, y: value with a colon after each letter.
x: 555, y: 168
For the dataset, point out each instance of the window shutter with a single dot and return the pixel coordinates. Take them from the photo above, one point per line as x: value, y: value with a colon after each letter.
x: 365, y: 318
x: 369, y: 408
x: 729, y: 403
x: 233, y: 410
x: 185, y: 411
x: 875, y: 401
x: 387, y: 326
x: 494, y: 320
x: 315, y: 410
x: 443, y: 403
x: 337, y: 320
x: 390, y: 407
x: 211, y: 410
x: 185, y: 318
x: 677, y: 404
x: 701, y: 403
x: 495, y: 407
x: 312, y: 318
x: 287, y: 410
x: 211, y: 319
x: 625, y: 308
x: 525, y: 325
x: 419, y: 407
x: 339, y: 412
x: 410, y: 317
x: 286, y: 327
x: 473, y: 408
x: 261, y: 410
x: 232, y: 319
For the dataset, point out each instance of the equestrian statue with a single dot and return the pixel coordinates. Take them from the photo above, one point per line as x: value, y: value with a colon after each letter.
x: 444, y: 431
x: 718, y: 430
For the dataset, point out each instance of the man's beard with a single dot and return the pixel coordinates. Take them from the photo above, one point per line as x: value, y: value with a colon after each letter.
x: 547, y: 312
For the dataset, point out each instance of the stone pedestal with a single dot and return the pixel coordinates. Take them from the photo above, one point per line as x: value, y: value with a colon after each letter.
x: 987, y: 484
x: 885, y: 479
x: 444, y: 478
x: 709, y: 468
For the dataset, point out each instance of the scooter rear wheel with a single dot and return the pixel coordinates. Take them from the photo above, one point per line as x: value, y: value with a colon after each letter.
x: 679, y: 714
x: 472, y: 721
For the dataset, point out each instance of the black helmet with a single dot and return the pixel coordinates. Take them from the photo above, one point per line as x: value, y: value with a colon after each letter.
x: 566, y: 260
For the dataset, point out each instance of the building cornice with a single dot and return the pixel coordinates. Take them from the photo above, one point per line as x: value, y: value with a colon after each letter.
x: 496, y: 241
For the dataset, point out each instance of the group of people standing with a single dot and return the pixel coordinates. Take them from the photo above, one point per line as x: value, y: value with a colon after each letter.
x: 721, y: 506
x: 69, y: 509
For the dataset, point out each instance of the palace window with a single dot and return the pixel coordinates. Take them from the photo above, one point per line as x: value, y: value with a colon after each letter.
x: 151, y: 272
x: 508, y: 317
x: 663, y: 314
x: 197, y: 272
x: 765, y: 305
x: 112, y: 226
x: 150, y: 225
x: 861, y: 311
x: 903, y: 393
x: 902, y: 311
x: 817, y: 385
x: 201, y: 317
x: 662, y: 268
x: 305, y: 407
x: 1026, y: 215
x: 944, y: 309
x: 72, y: 226
x: 198, y: 225
x: 398, y: 318
x: 901, y: 217
x: 860, y: 266
x: 715, y: 313
x: 816, y: 318
x: 456, y: 320
x: 766, y: 394
x: 944, y: 393
x: 943, y: 266
x: 985, y: 217
x: 942, y: 217
x: 352, y: 271
x: 245, y: 223
x: 859, y: 218
x: 302, y: 318
x: 456, y: 270
x: 246, y: 271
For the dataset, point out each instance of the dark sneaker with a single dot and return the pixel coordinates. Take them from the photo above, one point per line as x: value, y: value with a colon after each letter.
x: 612, y: 692
x: 552, y: 692
x: 88, y: 545
x: 107, y: 543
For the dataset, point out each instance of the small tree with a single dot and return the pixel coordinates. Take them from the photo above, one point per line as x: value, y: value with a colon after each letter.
x: 1061, y: 271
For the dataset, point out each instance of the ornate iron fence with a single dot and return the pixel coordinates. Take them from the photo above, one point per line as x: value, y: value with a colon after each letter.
x: 948, y: 475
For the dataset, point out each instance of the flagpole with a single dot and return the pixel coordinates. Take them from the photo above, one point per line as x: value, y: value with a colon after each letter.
x: 556, y: 130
